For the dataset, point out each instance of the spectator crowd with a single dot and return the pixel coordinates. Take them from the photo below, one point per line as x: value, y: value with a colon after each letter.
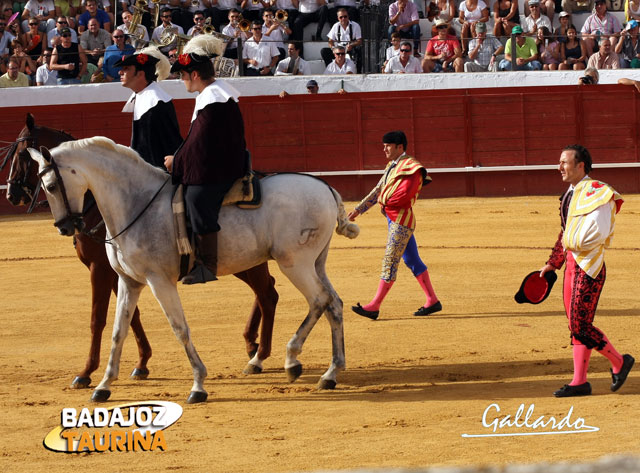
x: 48, y: 42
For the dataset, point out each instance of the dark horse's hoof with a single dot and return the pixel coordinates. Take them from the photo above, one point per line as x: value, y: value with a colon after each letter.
x: 253, y: 352
x: 100, y: 395
x: 294, y: 373
x: 252, y: 369
x: 196, y: 396
x: 326, y: 384
x: 81, y: 382
x: 140, y: 373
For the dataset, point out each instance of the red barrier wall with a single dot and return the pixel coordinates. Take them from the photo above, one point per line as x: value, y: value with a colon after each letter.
x: 445, y: 128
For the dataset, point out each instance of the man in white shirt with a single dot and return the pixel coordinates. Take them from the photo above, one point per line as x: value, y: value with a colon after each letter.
x: 53, y: 36
x: 94, y: 41
x: 165, y: 16
x: 405, y: 63
x: 535, y: 20
x: 345, y: 33
x: 44, y: 74
x: 137, y: 38
x: 340, y: 65
x: 259, y: 56
x: 275, y: 31
x: 233, y: 31
x: 329, y: 12
x: 220, y: 11
x: 294, y: 64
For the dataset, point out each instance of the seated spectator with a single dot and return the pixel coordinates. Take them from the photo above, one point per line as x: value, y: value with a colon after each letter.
x: 471, y: 12
x: 444, y: 10
x: 165, y: 16
x: 130, y: 6
x: 549, y: 50
x: 405, y: 63
x: 329, y: 12
x: 275, y: 31
x: 42, y: 11
x: 260, y: 55
x: 345, y: 33
x: 561, y: 31
x: 68, y: 9
x: 574, y: 52
x: 393, y: 50
x: 526, y: 53
x: 94, y: 41
x: 605, y: 58
x: 113, y: 54
x: 294, y: 64
x: 308, y: 12
x: 601, y: 23
x: 505, y: 15
x: 45, y: 75
x: 69, y: 60
x: 13, y: 77
x: 444, y: 53
x: 628, y: 47
x: 93, y: 12
x: 138, y: 38
x: 53, y: 36
x: 32, y: 40
x: 547, y: 8
x: 404, y: 19
x: 198, y: 24
x: 26, y: 65
x: 571, y: 6
x: 340, y: 65
x: 535, y: 20
x: 483, y: 51
x: 232, y: 30
x: 5, y: 41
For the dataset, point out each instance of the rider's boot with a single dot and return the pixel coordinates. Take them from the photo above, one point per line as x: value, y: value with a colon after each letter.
x: 206, y: 264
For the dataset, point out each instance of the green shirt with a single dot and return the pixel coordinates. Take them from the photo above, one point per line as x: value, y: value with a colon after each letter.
x: 525, y: 51
x: 21, y: 81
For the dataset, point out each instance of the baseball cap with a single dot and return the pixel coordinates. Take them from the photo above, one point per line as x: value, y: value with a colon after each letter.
x: 65, y: 30
x: 632, y: 24
x: 517, y: 29
x: 535, y: 289
x: 534, y: 2
x: 563, y: 14
x: 312, y: 83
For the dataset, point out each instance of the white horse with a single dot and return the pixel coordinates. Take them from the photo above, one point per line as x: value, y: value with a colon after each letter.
x: 293, y: 226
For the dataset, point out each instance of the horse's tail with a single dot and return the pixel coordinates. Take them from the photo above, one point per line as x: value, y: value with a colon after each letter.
x: 345, y: 227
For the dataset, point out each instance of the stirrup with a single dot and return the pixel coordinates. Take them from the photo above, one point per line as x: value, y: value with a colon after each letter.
x: 200, y: 274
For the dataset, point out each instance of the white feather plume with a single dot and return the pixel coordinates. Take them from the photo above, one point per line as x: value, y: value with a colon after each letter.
x: 205, y: 45
x: 163, y: 66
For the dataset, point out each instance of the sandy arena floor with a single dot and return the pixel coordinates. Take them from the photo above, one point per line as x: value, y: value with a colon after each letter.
x: 412, y: 386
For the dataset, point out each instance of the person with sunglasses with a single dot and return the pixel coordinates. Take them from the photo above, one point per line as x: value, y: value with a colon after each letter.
x: 42, y: 11
x: 403, y: 18
x: 69, y: 59
x: 13, y: 77
x: 345, y: 33
x: 53, y: 36
x: 93, y: 12
x: 45, y: 75
x: 404, y: 63
x: 95, y: 41
x: 341, y: 64
x: 444, y: 53
x: 260, y: 55
x: 526, y: 54
x: 198, y: 24
x: 113, y: 54
x: 156, y: 36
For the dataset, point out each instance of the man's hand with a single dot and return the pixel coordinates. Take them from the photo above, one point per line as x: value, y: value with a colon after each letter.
x: 545, y: 269
x: 520, y: 61
x: 352, y: 215
x: 168, y: 162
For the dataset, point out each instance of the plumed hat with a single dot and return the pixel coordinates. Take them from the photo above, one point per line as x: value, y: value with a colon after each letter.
x: 148, y: 58
x: 198, y: 51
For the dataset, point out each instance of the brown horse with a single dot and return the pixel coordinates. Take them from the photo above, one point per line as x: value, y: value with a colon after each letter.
x: 23, y: 187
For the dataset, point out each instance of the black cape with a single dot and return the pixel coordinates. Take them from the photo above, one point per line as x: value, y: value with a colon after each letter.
x: 156, y: 134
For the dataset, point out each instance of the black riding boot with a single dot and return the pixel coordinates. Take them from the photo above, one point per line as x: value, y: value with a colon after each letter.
x: 206, y: 264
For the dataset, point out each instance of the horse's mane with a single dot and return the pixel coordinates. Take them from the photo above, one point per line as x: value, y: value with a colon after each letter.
x: 106, y: 143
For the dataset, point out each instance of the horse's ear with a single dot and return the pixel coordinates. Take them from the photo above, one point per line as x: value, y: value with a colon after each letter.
x: 38, y: 157
x: 45, y: 154
x: 31, y: 122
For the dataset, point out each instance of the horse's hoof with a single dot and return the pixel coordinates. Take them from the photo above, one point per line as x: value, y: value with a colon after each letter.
x: 100, y: 395
x: 197, y: 396
x: 294, y: 372
x: 326, y: 384
x: 140, y: 373
x: 81, y: 382
x: 252, y: 369
x: 253, y: 352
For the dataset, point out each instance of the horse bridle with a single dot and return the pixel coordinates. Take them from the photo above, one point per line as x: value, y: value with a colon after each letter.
x: 23, y: 184
x: 75, y: 217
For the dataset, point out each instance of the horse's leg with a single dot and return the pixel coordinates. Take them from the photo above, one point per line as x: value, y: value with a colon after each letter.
x: 101, y: 282
x: 334, y: 315
x: 304, y: 277
x: 128, y: 295
x: 263, y: 285
x: 166, y: 293
x: 250, y: 333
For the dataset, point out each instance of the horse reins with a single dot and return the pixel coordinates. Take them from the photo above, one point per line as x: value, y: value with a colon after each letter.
x: 76, y: 218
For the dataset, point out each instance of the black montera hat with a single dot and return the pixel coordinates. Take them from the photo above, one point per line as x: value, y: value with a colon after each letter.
x: 534, y: 288
x: 141, y: 60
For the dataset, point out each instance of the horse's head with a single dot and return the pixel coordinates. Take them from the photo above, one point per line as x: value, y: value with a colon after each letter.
x: 64, y: 189
x: 23, y: 177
